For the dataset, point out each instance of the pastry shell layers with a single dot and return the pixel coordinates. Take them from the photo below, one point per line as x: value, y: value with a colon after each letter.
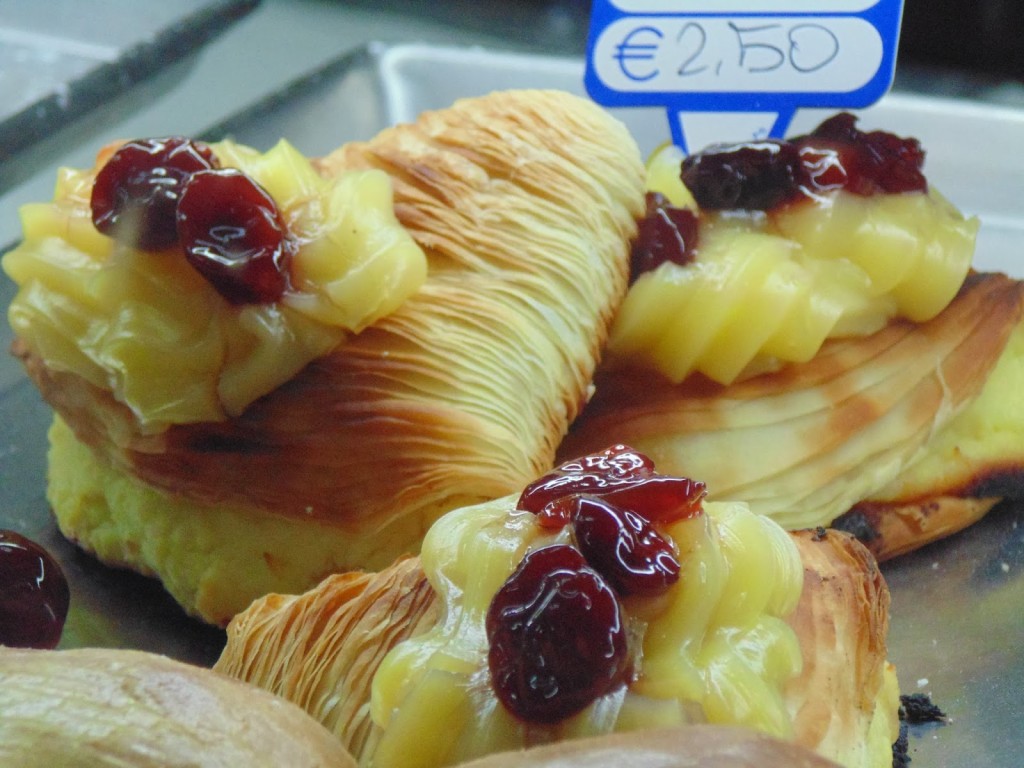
x: 92, y: 708
x: 892, y: 424
x: 524, y: 203
x: 323, y: 649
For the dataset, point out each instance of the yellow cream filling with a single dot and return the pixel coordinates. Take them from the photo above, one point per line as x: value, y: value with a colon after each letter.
x: 152, y: 331
x: 716, y: 648
x: 765, y: 290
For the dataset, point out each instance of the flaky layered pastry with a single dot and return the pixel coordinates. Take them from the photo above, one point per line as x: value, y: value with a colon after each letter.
x: 902, y: 425
x: 98, y: 707
x: 524, y: 203
x: 333, y: 652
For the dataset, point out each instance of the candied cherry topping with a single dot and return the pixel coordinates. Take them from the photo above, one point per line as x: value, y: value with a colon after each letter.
x: 34, y: 594
x: 666, y: 233
x: 868, y: 163
x: 763, y: 175
x: 233, y: 234
x: 135, y: 195
x: 622, y: 476
x: 624, y: 547
x: 755, y: 175
x: 557, y: 639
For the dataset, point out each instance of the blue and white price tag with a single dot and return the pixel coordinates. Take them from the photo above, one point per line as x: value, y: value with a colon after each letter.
x: 733, y: 69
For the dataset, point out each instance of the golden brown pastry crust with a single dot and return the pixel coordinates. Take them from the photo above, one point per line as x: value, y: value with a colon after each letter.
x: 311, y: 649
x: 819, y: 437
x: 706, y: 746
x: 525, y: 203
x: 99, y: 707
x: 889, y: 529
x: 321, y: 649
x: 842, y: 622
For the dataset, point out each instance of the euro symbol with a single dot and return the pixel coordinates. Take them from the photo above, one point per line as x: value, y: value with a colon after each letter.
x: 640, y: 50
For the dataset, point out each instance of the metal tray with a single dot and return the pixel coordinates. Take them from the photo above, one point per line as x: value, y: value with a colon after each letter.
x: 958, y: 606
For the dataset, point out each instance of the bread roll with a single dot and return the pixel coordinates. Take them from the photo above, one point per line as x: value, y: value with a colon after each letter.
x: 707, y: 746
x: 98, y: 707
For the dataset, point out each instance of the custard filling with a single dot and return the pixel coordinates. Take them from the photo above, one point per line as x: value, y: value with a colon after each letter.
x: 715, y: 648
x: 769, y: 288
x: 149, y: 329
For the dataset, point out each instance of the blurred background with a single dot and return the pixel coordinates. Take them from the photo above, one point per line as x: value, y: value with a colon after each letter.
x: 75, y: 73
x: 983, y: 37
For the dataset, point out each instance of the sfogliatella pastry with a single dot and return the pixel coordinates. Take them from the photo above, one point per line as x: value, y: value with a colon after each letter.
x: 313, y: 361
x: 805, y: 334
x: 604, y: 598
x: 93, y: 708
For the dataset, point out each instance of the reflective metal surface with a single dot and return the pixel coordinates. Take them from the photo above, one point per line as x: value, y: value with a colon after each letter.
x: 61, y: 58
x: 958, y: 606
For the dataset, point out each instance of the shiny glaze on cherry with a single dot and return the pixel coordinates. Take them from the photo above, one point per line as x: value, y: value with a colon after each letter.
x: 555, y: 627
x: 233, y: 234
x: 34, y: 594
x: 624, y: 547
x: 620, y: 475
x: 136, y: 192
x: 666, y: 233
x: 556, y: 637
x: 837, y: 154
x: 763, y: 175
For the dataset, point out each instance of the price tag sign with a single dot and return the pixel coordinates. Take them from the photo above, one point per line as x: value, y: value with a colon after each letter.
x: 733, y: 69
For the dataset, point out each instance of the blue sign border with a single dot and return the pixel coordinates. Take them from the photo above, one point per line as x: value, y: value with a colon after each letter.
x: 885, y: 16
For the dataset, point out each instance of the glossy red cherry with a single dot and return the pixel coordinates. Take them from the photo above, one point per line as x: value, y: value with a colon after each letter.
x: 557, y: 641
x: 623, y: 476
x: 624, y: 548
x: 233, y: 234
x: 871, y: 162
x: 764, y: 175
x: 595, y: 473
x: 755, y: 175
x: 135, y: 195
x: 34, y: 594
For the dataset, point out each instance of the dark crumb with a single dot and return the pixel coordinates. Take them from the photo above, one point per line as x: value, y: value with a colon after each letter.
x: 858, y: 524
x: 820, y: 533
x: 918, y: 708
x: 915, y: 708
x: 900, y: 750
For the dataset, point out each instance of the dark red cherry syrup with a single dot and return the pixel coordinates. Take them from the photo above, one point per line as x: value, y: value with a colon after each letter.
x: 622, y: 476
x: 666, y: 233
x: 624, y: 547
